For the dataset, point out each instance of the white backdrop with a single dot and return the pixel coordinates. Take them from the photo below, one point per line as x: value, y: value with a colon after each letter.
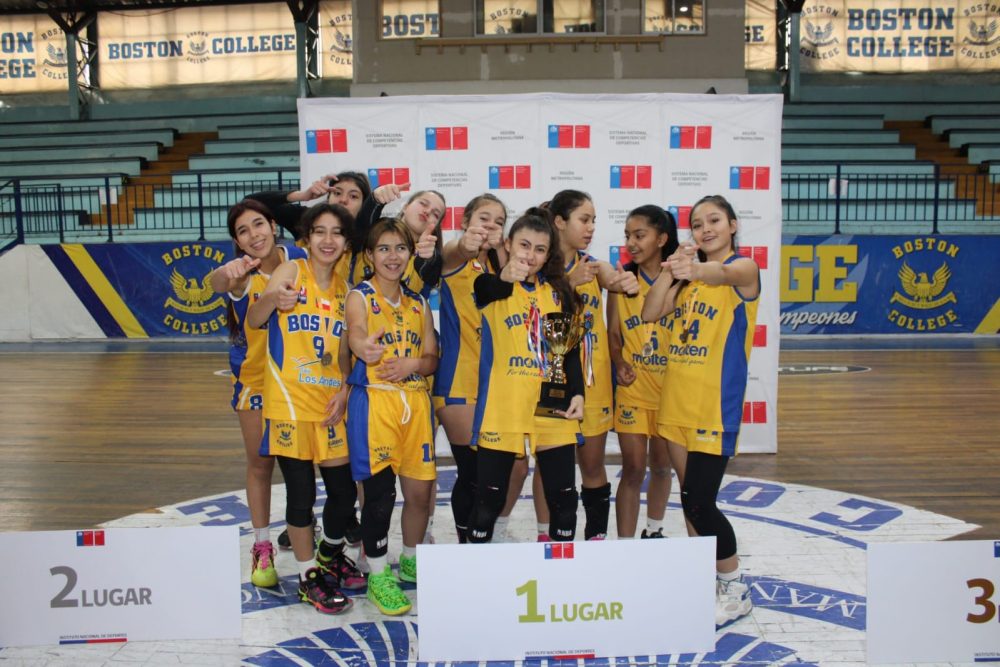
x: 624, y: 150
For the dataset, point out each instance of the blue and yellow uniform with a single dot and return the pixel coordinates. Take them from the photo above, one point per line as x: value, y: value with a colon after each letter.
x: 303, y: 373
x: 247, y: 353
x: 359, y: 269
x: 510, y: 378
x: 457, y: 379
x: 351, y: 267
x: 598, y: 399
x: 644, y: 349
x: 711, y: 335
x: 391, y: 423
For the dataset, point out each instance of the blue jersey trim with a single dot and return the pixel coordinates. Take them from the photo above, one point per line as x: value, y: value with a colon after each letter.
x: 451, y: 343
x: 357, y: 434
x: 485, y: 368
x: 734, y: 371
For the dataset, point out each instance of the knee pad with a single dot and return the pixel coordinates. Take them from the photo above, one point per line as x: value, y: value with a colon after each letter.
x: 562, y: 511
x: 341, y: 493
x: 488, y: 503
x: 380, y: 496
x: 698, y: 511
x: 300, y: 491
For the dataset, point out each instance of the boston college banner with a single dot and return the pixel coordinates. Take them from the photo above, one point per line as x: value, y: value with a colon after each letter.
x: 625, y: 150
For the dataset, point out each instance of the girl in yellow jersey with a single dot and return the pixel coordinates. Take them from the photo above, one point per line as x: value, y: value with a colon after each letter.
x: 638, y: 350
x: 713, y: 311
x: 253, y: 229
x: 511, y: 363
x: 479, y: 250
x: 391, y: 424
x: 575, y: 219
x: 304, y: 403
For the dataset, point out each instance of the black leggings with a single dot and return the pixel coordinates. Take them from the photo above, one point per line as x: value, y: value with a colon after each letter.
x: 300, y: 495
x: 463, y: 494
x: 699, y: 493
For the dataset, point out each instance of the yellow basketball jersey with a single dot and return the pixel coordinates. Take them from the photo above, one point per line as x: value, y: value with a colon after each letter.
x: 644, y: 347
x: 303, y: 346
x: 457, y: 377
x: 247, y: 355
x: 404, y: 331
x: 510, y: 379
x: 711, y: 334
x: 598, y: 394
x: 351, y: 267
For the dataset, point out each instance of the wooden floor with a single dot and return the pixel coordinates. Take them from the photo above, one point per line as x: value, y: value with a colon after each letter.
x: 91, y: 436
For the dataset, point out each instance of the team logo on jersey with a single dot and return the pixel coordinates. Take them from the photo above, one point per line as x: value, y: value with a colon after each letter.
x: 627, y: 417
x: 923, y: 279
x: 284, y: 432
x: 375, y: 307
x: 303, y: 296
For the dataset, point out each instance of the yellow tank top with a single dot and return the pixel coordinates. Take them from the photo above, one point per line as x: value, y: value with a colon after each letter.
x: 644, y: 347
x: 404, y: 330
x: 510, y: 379
x: 303, y: 345
x: 711, y: 334
x: 457, y: 376
x: 598, y: 393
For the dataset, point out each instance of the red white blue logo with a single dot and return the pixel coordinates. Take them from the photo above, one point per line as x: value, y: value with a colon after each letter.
x: 452, y: 219
x: 90, y: 538
x: 558, y: 550
x: 631, y: 177
x: 758, y: 253
x: 760, y: 335
x: 326, y: 141
x: 510, y: 177
x: 569, y: 136
x: 388, y: 176
x: 691, y: 136
x: 754, y: 412
x: 682, y: 216
x: 619, y: 253
x: 446, y: 138
x: 749, y: 178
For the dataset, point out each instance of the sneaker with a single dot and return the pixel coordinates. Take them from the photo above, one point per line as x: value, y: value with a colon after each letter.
x: 343, y: 569
x: 385, y: 593
x: 543, y: 537
x: 320, y: 592
x: 732, y: 601
x: 262, y: 572
x: 352, y: 533
x: 284, y: 542
x: 600, y: 537
x: 656, y: 534
x: 408, y: 568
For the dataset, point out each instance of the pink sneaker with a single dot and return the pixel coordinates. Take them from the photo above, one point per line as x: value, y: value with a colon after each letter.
x: 344, y: 570
x: 543, y: 537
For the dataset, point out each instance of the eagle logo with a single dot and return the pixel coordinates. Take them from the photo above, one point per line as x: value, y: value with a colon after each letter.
x: 819, y: 35
x: 191, y: 296
x: 982, y: 34
x: 56, y: 56
x: 923, y: 292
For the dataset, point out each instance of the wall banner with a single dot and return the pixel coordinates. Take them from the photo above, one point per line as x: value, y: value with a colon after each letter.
x: 900, y: 35
x: 224, y: 43
x: 761, y: 34
x: 336, y: 39
x: 32, y: 55
x: 624, y: 150
x: 890, y: 284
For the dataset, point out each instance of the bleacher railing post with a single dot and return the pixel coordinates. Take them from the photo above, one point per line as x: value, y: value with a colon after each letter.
x: 60, y: 213
x: 18, y: 211
x: 836, y: 202
x: 937, y: 196
x: 201, y: 210
x: 107, y: 202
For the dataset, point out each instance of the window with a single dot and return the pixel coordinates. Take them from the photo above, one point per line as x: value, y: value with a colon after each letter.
x: 520, y: 17
x: 674, y: 16
x: 410, y: 19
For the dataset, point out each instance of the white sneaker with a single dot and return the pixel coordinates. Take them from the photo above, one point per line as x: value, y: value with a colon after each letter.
x: 732, y: 601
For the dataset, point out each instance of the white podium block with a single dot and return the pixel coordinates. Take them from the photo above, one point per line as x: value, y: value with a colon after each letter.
x: 934, y: 602
x: 116, y: 585
x: 566, y: 599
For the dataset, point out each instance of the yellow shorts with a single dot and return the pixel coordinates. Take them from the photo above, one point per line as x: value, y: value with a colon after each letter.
x: 633, y: 419
x: 247, y: 398
x: 516, y: 443
x: 596, y: 421
x: 390, y: 428
x: 720, y: 443
x: 306, y: 441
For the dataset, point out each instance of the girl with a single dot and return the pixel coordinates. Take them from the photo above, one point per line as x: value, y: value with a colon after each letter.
x: 478, y: 251
x: 348, y: 188
x: 253, y: 229
x: 575, y: 220
x: 531, y: 285
x: 638, y: 351
x: 305, y: 400
x: 391, y: 432
x: 714, y: 309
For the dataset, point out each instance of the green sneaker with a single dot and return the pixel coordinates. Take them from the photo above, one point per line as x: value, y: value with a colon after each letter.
x: 385, y: 593
x: 408, y: 568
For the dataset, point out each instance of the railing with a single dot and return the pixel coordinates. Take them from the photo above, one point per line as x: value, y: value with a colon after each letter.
x: 818, y: 198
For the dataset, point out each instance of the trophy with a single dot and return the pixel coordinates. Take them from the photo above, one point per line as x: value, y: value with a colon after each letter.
x: 561, y: 333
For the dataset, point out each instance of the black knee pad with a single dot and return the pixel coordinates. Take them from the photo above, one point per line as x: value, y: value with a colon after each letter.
x: 300, y: 491
x: 558, y: 468
x: 376, y: 514
x: 493, y: 477
x: 463, y: 493
x: 341, y: 493
x: 596, y: 506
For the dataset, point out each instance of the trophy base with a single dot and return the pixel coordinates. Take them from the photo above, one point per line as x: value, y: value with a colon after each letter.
x: 554, y: 397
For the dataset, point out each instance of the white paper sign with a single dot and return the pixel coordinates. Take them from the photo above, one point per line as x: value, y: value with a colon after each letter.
x: 124, y: 584
x: 519, y: 601
x: 934, y: 602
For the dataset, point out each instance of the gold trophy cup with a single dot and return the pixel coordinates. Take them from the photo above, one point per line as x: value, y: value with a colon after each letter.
x: 562, y: 333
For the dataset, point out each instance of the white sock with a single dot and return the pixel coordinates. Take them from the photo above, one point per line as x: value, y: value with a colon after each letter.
x: 377, y: 564
x: 728, y: 576
x: 262, y: 534
x: 653, y: 525
x: 305, y: 566
x: 409, y: 551
x: 543, y: 528
x: 500, y: 527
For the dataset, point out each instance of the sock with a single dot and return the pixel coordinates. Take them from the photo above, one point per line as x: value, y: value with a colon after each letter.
x: 329, y: 548
x: 305, y: 566
x: 500, y: 528
x: 409, y: 551
x: 262, y: 534
x: 543, y: 528
x: 653, y: 525
x: 378, y: 564
x: 728, y: 576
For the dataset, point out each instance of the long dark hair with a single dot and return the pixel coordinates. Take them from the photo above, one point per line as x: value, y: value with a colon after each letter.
x: 564, y: 202
x: 308, y: 220
x: 470, y: 208
x: 663, y: 222
x: 540, y: 220
x: 238, y: 209
x: 727, y: 208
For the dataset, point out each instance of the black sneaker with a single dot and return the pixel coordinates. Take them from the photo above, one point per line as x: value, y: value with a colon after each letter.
x: 656, y: 534
x: 344, y: 570
x: 285, y: 542
x: 318, y: 590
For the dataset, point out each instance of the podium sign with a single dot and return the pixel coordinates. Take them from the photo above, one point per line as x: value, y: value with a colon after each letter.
x: 934, y: 602
x: 560, y: 599
x: 116, y: 585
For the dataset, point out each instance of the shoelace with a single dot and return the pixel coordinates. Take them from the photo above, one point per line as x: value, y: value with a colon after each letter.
x: 385, y: 586
x: 264, y: 554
